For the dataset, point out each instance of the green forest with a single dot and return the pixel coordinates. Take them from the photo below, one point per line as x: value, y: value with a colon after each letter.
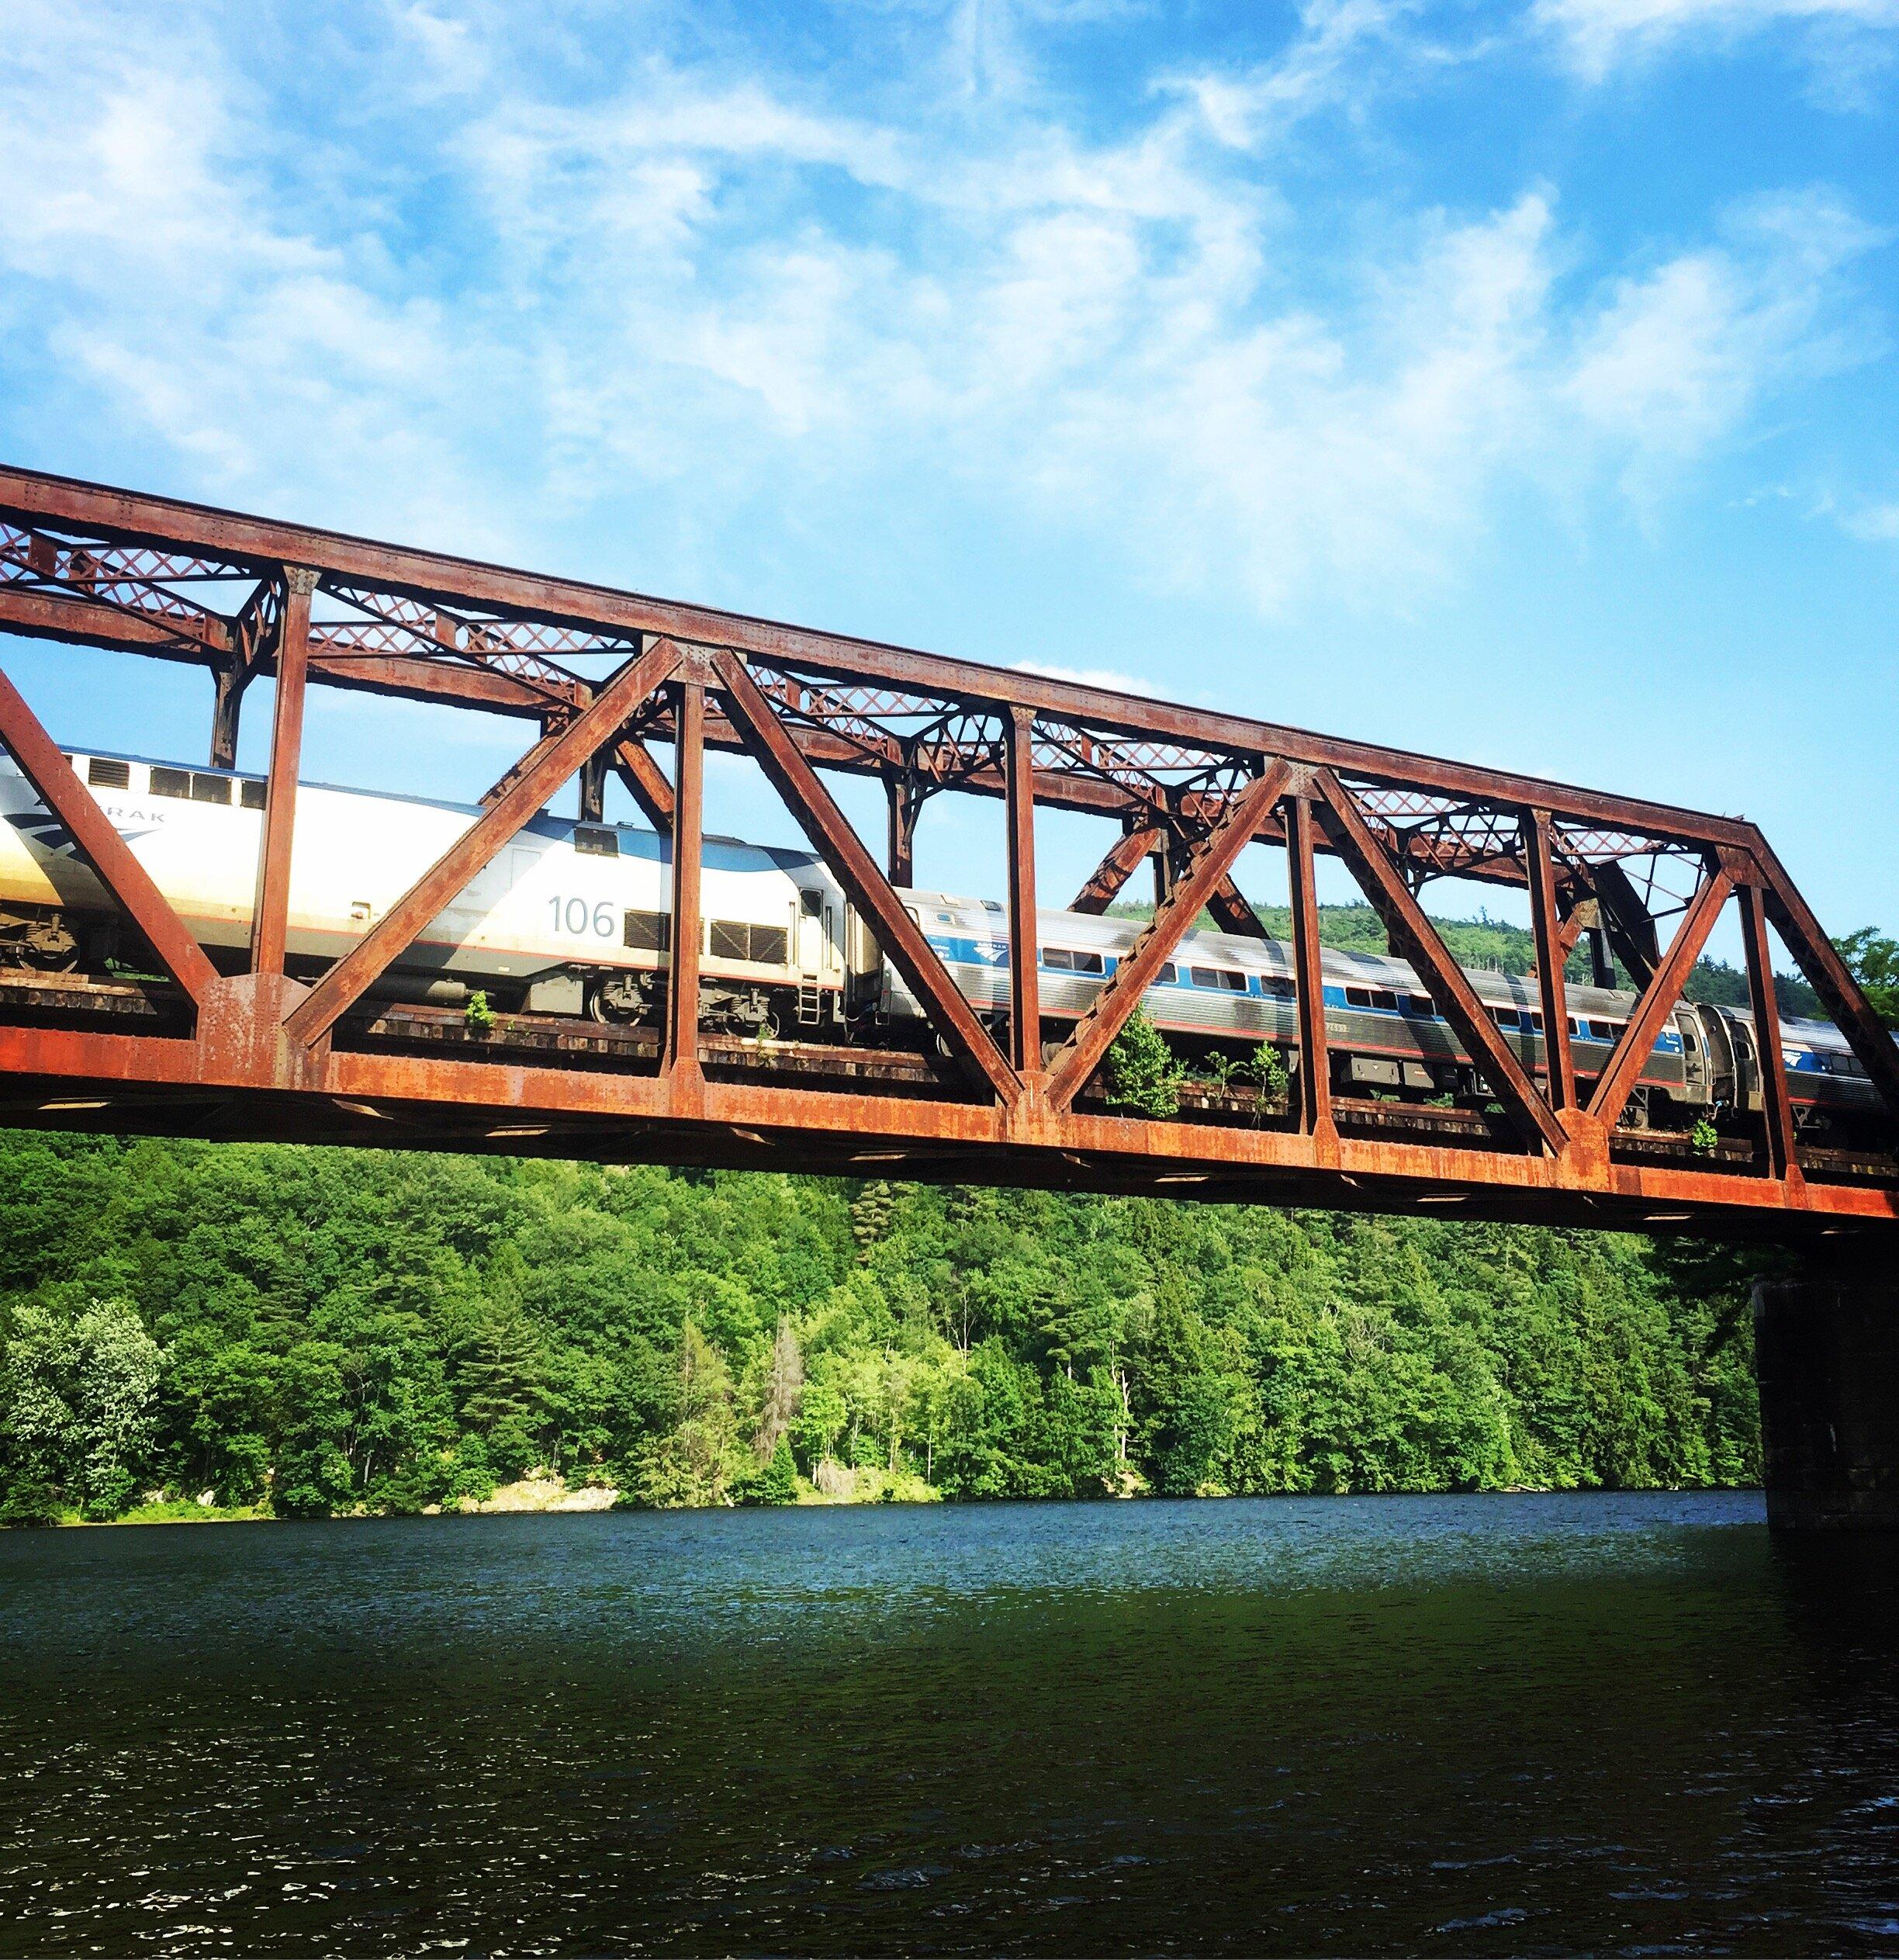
x: 189, y: 1330
x: 311, y: 1331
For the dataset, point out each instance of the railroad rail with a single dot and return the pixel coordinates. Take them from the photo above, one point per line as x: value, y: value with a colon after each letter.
x: 604, y: 678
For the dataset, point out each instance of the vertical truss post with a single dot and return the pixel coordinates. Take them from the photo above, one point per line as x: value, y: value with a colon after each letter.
x: 900, y: 788
x: 270, y: 913
x: 232, y: 676
x: 1025, y: 983
x: 1315, y: 1069
x: 1776, y: 1106
x: 682, y: 1049
x: 1560, y: 1064
x: 593, y: 789
x: 1166, y: 866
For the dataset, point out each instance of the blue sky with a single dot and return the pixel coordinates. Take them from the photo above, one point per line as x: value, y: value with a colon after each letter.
x: 1511, y: 382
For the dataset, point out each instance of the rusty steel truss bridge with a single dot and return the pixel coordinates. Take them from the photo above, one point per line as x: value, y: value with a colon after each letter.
x: 257, y: 1053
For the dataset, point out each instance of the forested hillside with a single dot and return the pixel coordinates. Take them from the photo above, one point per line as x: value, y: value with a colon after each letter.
x: 323, y: 1331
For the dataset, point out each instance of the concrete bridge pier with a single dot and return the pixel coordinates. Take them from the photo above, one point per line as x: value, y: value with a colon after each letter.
x: 1827, y: 1352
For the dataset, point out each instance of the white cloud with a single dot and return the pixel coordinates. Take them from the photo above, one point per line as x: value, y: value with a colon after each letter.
x: 714, y: 280
x: 1875, y: 523
x: 1679, y: 355
x: 1601, y: 35
x: 1112, y: 678
x: 1323, y: 64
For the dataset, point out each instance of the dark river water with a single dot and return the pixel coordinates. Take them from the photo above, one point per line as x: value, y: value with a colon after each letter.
x: 1486, y: 1725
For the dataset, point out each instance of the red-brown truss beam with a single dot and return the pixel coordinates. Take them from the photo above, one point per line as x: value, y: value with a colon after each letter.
x: 1081, y: 1053
x: 1025, y: 931
x: 682, y: 1041
x: 1839, y: 993
x: 556, y: 760
x: 1776, y: 1105
x: 1119, y: 864
x: 1660, y: 999
x: 270, y: 913
x: 123, y: 875
x: 1232, y: 913
x: 263, y: 545
x: 82, y: 564
x: 1411, y: 934
x: 1551, y: 954
x: 851, y: 865
x: 1315, y: 1075
x: 646, y: 782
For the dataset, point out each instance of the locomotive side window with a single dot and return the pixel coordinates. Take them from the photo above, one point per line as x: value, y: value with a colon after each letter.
x: 250, y: 795
x: 812, y: 903
x: 1218, y: 977
x: 649, y: 932
x: 592, y: 843
x: 1057, y: 959
x: 1506, y: 1017
x: 170, y: 782
x: 109, y: 775
x: 1168, y: 975
x: 1274, y: 988
x: 1386, y: 1003
x: 211, y: 789
x: 1421, y: 1006
x: 1357, y: 997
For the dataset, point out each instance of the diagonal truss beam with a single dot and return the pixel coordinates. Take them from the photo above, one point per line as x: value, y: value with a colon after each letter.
x: 1840, y: 993
x: 1232, y: 911
x: 1123, y: 860
x: 552, y: 762
x: 1414, y: 935
x: 123, y: 875
x: 1080, y: 1054
x: 646, y: 784
x: 1658, y: 1001
x: 970, y: 1044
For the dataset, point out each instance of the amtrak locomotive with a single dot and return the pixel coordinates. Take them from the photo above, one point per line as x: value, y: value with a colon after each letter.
x: 573, y: 918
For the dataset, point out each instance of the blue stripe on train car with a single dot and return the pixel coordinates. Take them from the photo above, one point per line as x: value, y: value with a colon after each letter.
x: 991, y: 952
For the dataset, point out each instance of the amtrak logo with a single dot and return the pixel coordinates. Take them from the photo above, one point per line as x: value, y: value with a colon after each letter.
x: 51, y: 839
x: 993, y: 952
